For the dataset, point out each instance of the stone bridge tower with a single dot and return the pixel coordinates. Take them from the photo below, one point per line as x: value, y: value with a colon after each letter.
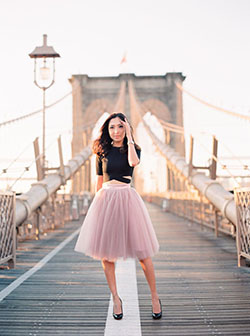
x: 92, y: 96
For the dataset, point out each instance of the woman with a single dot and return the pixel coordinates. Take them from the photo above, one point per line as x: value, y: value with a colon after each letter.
x: 117, y: 224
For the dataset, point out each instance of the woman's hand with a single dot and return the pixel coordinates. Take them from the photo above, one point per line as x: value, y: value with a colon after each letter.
x: 133, y: 159
x: 127, y: 129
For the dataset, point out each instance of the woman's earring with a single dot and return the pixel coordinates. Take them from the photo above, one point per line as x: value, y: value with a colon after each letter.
x: 112, y: 142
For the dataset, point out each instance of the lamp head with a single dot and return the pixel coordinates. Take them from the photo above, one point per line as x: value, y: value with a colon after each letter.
x: 44, y: 50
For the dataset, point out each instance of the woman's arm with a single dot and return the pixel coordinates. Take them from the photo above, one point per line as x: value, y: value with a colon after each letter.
x: 98, y: 182
x: 133, y: 159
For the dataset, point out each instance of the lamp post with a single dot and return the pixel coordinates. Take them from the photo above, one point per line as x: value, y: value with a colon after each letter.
x: 46, y: 79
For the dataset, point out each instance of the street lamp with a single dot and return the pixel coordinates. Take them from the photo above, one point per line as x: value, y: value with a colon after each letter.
x: 46, y: 79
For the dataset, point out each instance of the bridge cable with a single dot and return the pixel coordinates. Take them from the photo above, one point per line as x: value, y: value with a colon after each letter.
x: 119, y: 106
x: 218, y: 161
x: 139, y: 107
x: 231, y: 113
x: 244, y: 166
x: 170, y: 127
x: 14, y: 160
x: 5, y: 123
x: 82, y: 128
x: 32, y: 162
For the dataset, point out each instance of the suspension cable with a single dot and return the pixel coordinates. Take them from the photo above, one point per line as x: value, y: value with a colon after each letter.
x: 244, y: 166
x: 167, y: 126
x: 231, y: 113
x: 82, y: 128
x: 174, y: 126
x: 5, y: 123
x: 27, y: 168
x: 13, y: 161
x: 213, y: 156
x: 218, y: 161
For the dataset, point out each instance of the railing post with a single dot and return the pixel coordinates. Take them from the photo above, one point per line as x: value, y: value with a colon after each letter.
x: 84, y: 139
x: 201, y: 207
x: 191, y: 152
x: 183, y: 201
x: 213, y: 166
x: 83, y: 177
x: 53, y: 211
x: 167, y: 137
x: 39, y: 169
x: 61, y: 159
x: 216, y: 222
x: 38, y: 222
x: 80, y: 179
x: 87, y: 175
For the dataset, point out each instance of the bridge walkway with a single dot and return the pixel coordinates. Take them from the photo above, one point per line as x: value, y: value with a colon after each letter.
x: 203, y: 292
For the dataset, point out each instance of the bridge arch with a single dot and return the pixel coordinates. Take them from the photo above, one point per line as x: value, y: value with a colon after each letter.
x: 157, y: 107
x: 96, y: 109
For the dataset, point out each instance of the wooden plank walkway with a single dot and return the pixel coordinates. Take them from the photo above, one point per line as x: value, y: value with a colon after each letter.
x: 202, y: 290
x: 68, y: 296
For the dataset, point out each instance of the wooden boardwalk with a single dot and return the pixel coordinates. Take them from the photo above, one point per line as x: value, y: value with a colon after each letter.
x: 202, y: 290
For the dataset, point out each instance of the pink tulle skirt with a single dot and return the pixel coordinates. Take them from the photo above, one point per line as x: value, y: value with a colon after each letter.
x: 117, y: 225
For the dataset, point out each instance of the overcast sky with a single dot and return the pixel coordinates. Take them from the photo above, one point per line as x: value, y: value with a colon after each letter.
x: 207, y: 40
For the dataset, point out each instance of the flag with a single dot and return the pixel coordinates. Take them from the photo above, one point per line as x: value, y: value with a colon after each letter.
x: 124, y: 59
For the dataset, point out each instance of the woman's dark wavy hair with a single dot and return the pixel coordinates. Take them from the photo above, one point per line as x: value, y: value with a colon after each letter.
x: 102, y: 145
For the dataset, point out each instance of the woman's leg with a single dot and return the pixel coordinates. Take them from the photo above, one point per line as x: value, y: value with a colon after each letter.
x: 148, y: 269
x: 109, y: 270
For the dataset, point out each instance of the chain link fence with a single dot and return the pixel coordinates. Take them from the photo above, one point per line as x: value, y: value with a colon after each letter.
x: 7, y: 228
x: 242, y: 200
x: 54, y: 213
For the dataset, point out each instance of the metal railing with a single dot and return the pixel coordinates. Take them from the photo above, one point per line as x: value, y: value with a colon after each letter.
x: 242, y: 200
x: 41, y: 209
x: 190, y: 203
x: 190, y: 193
x: 52, y: 214
x: 8, y: 228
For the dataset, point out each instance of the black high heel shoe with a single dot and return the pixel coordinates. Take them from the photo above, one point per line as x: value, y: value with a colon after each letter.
x: 157, y: 316
x: 118, y: 316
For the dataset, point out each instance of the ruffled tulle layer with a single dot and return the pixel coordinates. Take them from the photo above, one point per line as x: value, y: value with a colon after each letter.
x: 117, y: 225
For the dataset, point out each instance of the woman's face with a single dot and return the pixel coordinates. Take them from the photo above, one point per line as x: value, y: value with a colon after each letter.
x: 116, y: 130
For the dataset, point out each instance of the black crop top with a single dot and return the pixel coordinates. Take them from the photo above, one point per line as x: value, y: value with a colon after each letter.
x: 115, y: 165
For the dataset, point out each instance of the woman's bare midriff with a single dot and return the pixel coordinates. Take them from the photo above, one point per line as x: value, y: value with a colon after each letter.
x: 115, y: 181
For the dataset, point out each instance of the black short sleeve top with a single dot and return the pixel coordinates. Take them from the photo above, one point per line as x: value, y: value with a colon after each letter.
x: 115, y: 165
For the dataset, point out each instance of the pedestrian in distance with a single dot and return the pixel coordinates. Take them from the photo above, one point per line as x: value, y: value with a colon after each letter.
x: 117, y: 224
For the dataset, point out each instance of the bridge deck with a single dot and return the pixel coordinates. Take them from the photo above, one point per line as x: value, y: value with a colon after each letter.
x: 202, y: 290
